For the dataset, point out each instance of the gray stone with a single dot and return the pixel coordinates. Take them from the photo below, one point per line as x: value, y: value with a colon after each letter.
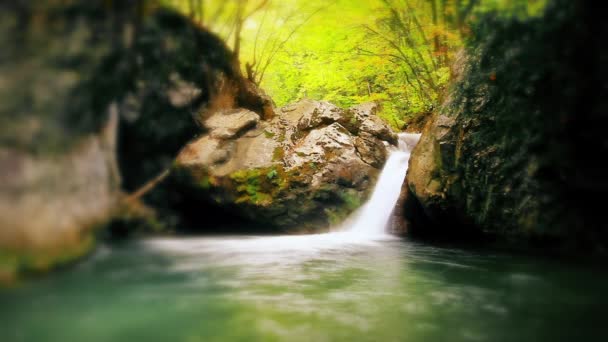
x: 304, y: 168
x: 227, y: 124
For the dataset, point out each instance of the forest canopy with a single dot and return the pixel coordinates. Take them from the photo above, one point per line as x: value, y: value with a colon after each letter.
x: 396, y: 52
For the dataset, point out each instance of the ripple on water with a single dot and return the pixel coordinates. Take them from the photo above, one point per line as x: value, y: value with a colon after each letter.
x: 322, y: 287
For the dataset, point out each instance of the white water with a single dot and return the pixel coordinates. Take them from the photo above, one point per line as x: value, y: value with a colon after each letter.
x: 375, y: 214
x: 366, y: 227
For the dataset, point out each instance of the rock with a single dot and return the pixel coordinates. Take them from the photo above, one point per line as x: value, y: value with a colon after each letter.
x: 50, y: 205
x: 314, y: 114
x: 253, y: 150
x: 167, y: 82
x: 365, y: 110
x: 424, y: 177
x: 182, y: 93
x: 58, y: 162
x: 371, y: 149
x: 520, y: 163
x: 226, y: 124
x: 334, y: 147
x: 59, y: 177
x: 303, y: 170
x: 207, y: 151
x: 320, y: 145
x: 376, y: 127
x: 367, y: 121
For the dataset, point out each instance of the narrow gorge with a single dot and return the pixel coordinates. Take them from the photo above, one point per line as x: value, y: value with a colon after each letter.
x: 264, y: 170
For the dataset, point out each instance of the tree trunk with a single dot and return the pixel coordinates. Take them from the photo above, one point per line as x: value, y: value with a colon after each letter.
x: 436, y: 43
x: 238, y: 27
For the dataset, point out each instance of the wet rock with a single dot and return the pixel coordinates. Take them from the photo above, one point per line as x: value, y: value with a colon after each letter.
x: 376, y: 127
x: 367, y: 121
x: 182, y: 93
x: 512, y: 152
x: 66, y: 67
x: 316, y: 113
x: 302, y: 170
x: 371, y: 149
x: 226, y: 124
x: 207, y: 151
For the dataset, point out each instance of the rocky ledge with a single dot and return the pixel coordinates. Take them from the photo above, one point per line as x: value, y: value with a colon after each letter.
x: 305, y: 169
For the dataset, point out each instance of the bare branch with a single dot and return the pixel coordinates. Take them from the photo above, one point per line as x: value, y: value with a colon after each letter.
x: 282, y: 43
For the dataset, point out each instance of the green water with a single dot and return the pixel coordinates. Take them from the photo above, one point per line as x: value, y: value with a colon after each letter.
x: 307, y: 288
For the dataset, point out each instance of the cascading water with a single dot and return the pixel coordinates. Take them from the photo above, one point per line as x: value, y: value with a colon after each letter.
x: 374, y: 215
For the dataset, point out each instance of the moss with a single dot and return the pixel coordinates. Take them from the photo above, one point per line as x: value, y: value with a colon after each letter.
x: 268, y: 134
x: 261, y: 186
x: 250, y: 185
x: 15, y: 265
x: 529, y: 110
x: 278, y: 154
x: 204, y: 182
x: 245, y: 175
x: 349, y: 201
x: 271, y: 174
x: 281, y: 137
x: 132, y: 217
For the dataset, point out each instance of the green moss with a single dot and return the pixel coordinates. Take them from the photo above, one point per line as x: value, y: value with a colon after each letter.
x: 278, y: 154
x: 204, y: 183
x: 17, y: 264
x: 245, y: 175
x: 282, y: 137
x: 260, y: 186
x: 528, y: 117
x: 349, y: 200
x: 271, y: 174
x: 268, y: 134
x: 133, y: 217
x: 250, y: 186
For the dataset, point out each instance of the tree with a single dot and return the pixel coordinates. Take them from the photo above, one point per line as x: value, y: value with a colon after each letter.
x: 274, y: 43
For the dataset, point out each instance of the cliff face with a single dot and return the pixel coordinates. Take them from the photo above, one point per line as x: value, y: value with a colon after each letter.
x: 518, y: 148
x: 73, y: 72
x: 58, y: 172
x: 50, y: 205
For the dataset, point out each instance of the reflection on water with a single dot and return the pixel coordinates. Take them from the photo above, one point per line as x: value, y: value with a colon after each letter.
x: 306, y: 288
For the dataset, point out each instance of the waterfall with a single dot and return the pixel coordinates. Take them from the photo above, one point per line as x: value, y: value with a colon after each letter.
x: 375, y: 214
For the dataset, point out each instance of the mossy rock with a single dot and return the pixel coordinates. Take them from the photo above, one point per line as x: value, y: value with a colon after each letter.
x: 515, y: 150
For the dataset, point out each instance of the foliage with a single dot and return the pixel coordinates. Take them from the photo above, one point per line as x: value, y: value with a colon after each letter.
x: 396, y: 52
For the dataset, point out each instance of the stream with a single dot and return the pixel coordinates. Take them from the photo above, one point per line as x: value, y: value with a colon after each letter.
x: 307, y: 288
x: 357, y: 284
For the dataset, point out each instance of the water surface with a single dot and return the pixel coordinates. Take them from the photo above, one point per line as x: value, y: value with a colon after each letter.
x: 336, y: 287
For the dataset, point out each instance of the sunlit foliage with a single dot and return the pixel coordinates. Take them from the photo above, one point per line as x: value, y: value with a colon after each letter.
x: 397, y: 52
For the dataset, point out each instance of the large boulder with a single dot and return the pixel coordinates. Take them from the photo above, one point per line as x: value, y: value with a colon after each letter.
x: 516, y: 150
x: 305, y: 169
x: 72, y: 72
x: 51, y: 205
x: 229, y: 123
x: 58, y: 172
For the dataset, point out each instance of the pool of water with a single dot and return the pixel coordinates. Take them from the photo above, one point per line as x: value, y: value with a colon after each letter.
x: 333, y: 287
